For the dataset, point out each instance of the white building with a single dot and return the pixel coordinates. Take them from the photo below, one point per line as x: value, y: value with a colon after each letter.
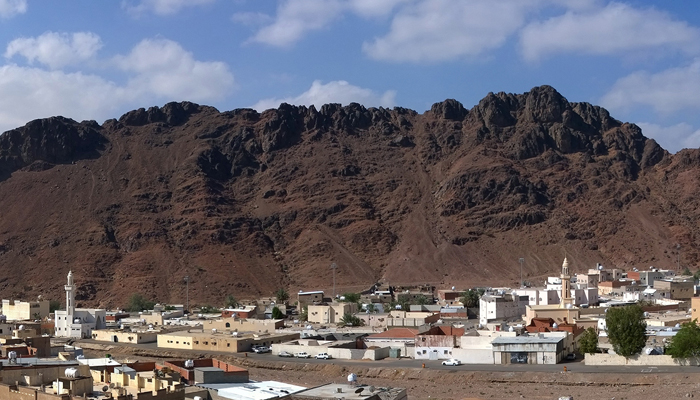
x: 492, y: 307
x: 77, y: 322
x: 543, y: 297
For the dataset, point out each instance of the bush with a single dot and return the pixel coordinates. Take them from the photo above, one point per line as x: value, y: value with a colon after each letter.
x: 277, y: 313
x: 139, y: 303
x: 589, y: 342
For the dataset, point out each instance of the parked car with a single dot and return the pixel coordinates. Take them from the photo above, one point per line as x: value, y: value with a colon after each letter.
x: 453, y: 362
x: 261, y: 349
x: 323, y: 356
x: 285, y: 354
x: 571, y: 356
x: 302, y: 354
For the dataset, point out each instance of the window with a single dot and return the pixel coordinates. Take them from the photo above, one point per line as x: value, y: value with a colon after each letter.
x: 228, y: 325
x: 445, y: 352
x: 228, y: 344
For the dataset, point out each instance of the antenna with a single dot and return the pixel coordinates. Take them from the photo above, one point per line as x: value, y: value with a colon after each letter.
x: 334, y: 266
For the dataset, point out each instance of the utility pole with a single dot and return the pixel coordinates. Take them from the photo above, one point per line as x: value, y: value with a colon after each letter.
x: 334, y: 266
x: 522, y: 260
x: 187, y: 282
x: 678, y: 255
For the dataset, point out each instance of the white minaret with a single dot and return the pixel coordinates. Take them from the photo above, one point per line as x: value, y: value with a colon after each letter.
x: 70, y: 296
x: 565, y: 285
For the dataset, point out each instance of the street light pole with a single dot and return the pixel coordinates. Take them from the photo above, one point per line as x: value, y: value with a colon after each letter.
x: 187, y: 282
x: 522, y: 260
x: 334, y: 266
x: 678, y: 255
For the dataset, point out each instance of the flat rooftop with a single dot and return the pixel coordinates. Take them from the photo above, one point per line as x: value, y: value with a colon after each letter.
x: 345, y: 391
x: 252, y: 390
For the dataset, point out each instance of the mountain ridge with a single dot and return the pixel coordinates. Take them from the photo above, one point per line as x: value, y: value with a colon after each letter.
x: 246, y: 202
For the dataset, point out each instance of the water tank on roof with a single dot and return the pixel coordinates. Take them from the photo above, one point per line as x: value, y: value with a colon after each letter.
x: 555, y: 325
x: 352, y: 378
x: 189, y: 364
x: 646, y: 314
x: 71, y: 373
x: 453, y: 288
x: 678, y: 325
x: 21, y: 327
x: 511, y: 329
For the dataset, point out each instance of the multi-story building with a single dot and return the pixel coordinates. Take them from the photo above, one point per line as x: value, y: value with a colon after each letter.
x: 330, y: 313
x: 675, y: 289
x: 16, y: 310
x: 494, y: 307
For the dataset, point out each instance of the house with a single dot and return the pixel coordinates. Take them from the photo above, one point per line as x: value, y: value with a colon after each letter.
x: 541, y: 348
x: 399, y: 318
x: 449, y: 297
x: 308, y: 298
x: 15, y: 310
x: 675, y: 288
x: 216, y: 341
x: 330, y: 313
x: 437, y: 343
x: 243, y: 312
x: 377, y: 321
x: 244, y: 325
x: 497, y: 307
x: 77, y: 322
x: 555, y: 312
x: 265, y: 390
x: 614, y: 288
x: 579, y: 296
x: 125, y: 336
x: 207, y: 370
x: 350, y: 392
x: 475, y: 346
x: 402, y: 339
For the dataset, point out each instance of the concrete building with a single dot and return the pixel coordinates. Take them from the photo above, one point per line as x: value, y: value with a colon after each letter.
x: 497, y: 307
x: 449, y: 297
x: 207, y: 370
x: 308, y: 298
x: 476, y: 348
x: 77, y: 322
x: 438, y: 342
x: 342, y: 391
x: 399, y: 318
x: 330, y: 313
x: 579, y: 296
x: 15, y: 310
x: 542, y: 348
x: 244, y: 325
x: 675, y: 289
x: 125, y: 336
x: 588, y: 280
x: 558, y: 314
x: 216, y: 341
x: 401, y: 339
x: 646, y: 278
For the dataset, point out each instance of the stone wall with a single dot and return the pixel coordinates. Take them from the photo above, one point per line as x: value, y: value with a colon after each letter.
x: 639, y: 360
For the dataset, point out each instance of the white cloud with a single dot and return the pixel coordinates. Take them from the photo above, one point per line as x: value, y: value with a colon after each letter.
x: 31, y: 93
x: 295, y: 18
x: 162, y: 7
x: 10, y: 8
x: 56, y: 50
x: 666, y: 92
x: 157, y: 70
x: 251, y: 18
x: 442, y: 30
x: 333, y: 92
x: 163, y: 68
x: 613, y: 29
x: 673, y: 138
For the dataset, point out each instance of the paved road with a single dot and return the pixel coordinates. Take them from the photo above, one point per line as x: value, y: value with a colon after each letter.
x: 576, y: 366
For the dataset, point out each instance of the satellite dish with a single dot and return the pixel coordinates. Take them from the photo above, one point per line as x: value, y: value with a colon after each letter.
x: 358, y: 391
x: 371, y: 389
x: 112, y: 385
x: 105, y: 389
x: 453, y: 288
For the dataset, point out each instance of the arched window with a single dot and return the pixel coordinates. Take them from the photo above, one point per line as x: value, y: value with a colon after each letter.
x: 228, y: 324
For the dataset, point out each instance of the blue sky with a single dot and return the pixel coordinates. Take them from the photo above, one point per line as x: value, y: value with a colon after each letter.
x: 87, y: 59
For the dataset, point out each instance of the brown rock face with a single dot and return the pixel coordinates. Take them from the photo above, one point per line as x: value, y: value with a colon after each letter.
x: 246, y: 202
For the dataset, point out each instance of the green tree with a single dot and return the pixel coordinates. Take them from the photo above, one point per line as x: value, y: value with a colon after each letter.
x: 351, y: 297
x: 470, y: 298
x: 589, y: 342
x: 231, y: 301
x: 626, y: 329
x: 54, y: 305
x: 370, y: 308
x: 697, y: 275
x: 139, y: 303
x: 687, y: 272
x: 282, y: 296
x: 350, y: 320
x: 277, y: 313
x: 421, y: 300
x: 686, y: 343
x: 304, y: 314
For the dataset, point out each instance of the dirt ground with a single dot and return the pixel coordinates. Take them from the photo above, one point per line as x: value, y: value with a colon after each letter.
x: 455, y: 384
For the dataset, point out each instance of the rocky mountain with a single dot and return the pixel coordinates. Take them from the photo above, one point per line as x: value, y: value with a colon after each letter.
x: 245, y: 202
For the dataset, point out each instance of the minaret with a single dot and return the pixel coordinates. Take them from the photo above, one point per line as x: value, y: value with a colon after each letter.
x: 70, y: 296
x: 565, y: 285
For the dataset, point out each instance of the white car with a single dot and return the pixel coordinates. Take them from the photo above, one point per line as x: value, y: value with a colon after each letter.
x: 453, y: 362
x: 302, y: 354
x: 261, y: 349
x: 323, y: 356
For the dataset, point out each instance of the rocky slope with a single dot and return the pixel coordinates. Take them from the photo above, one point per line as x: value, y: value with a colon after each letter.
x: 246, y: 202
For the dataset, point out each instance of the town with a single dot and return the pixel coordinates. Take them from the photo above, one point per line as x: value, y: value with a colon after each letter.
x: 566, y: 319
